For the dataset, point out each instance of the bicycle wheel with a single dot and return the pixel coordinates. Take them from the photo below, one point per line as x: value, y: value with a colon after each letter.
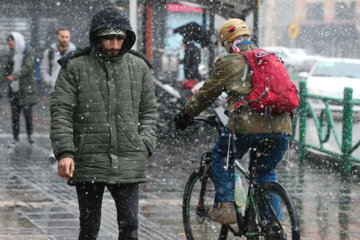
x: 265, y: 223
x: 198, y: 199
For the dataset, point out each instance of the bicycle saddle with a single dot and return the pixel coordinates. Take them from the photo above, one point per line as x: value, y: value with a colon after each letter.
x: 264, y: 143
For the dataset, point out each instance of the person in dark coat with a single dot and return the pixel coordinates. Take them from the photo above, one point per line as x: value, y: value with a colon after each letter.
x: 19, y: 72
x: 103, y: 122
x: 192, y: 58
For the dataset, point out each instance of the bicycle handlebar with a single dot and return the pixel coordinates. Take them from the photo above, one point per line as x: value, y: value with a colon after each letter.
x: 211, y: 120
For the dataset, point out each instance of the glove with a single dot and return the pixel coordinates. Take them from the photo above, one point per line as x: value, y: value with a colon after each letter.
x: 182, y: 120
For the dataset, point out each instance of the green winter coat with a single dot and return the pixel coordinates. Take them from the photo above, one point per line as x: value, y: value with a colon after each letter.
x: 103, y: 114
x: 26, y: 76
x: 226, y: 77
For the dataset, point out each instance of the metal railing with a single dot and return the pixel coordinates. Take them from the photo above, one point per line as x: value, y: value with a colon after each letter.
x: 324, y: 131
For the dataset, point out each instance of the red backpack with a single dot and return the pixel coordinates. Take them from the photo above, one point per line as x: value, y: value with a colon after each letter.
x: 273, y: 91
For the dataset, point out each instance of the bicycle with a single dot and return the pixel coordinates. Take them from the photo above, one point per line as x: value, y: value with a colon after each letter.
x: 199, y: 198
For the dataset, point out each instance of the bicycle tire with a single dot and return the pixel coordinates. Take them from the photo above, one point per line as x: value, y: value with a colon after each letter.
x: 196, y: 224
x: 289, y: 220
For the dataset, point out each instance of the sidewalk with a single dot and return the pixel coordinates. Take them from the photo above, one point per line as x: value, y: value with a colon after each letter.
x: 36, y: 204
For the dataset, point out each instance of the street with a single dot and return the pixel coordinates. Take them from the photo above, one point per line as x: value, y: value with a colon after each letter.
x: 37, y: 204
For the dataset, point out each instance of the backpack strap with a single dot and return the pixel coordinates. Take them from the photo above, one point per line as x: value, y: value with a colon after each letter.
x: 246, y: 69
x: 73, y: 54
x: 25, y: 50
x: 243, y: 102
x: 51, y: 59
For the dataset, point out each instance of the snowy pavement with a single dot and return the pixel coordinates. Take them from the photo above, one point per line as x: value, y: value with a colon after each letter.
x: 36, y: 204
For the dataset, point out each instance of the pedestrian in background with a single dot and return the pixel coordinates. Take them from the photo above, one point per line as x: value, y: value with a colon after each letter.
x: 19, y: 72
x: 192, y: 58
x: 50, y: 67
x: 103, y: 122
x: 191, y: 61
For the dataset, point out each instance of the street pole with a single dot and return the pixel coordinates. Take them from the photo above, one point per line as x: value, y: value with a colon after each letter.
x: 302, y: 120
x: 255, y: 35
x: 133, y: 18
x: 346, y: 145
x: 212, y: 31
x: 33, y: 8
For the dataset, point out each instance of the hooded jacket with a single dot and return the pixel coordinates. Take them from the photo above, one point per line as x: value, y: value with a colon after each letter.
x: 48, y: 76
x: 103, y: 109
x: 21, y: 65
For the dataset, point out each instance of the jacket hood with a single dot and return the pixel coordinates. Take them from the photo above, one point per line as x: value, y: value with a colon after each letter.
x: 19, y: 42
x: 112, y: 18
x: 19, y: 51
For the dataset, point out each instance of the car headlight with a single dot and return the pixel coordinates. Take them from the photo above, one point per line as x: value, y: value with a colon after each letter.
x: 314, y: 91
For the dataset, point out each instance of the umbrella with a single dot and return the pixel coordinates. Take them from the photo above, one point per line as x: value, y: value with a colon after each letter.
x: 194, y: 32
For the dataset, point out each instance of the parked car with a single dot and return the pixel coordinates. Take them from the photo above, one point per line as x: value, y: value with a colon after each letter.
x: 330, y: 76
x: 295, y: 59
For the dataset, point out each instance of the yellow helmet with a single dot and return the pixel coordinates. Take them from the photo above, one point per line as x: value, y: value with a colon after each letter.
x: 231, y: 30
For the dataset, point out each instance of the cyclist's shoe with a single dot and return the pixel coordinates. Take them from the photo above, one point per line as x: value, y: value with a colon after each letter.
x: 275, y: 232
x: 224, y: 214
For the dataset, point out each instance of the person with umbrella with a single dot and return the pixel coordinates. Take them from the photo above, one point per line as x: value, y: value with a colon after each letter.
x: 191, y: 61
x: 192, y: 32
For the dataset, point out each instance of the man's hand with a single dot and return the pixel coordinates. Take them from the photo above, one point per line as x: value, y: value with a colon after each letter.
x: 182, y: 120
x: 10, y: 78
x: 66, y: 167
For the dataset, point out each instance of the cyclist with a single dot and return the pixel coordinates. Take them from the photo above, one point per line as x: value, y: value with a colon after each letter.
x: 248, y: 125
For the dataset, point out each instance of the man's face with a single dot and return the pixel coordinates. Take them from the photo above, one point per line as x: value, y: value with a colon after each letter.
x: 112, y: 45
x: 11, y: 44
x: 63, y: 37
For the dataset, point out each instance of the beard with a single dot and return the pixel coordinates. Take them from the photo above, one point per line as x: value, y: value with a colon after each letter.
x: 112, y: 52
x: 64, y: 44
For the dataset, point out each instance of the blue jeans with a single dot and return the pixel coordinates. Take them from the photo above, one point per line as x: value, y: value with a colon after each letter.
x: 224, y: 179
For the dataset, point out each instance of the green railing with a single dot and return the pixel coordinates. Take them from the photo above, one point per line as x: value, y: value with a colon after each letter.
x: 324, y: 131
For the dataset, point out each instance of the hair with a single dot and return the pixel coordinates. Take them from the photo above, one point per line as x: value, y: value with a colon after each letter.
x: 62, y: 29
x: 10, y: 37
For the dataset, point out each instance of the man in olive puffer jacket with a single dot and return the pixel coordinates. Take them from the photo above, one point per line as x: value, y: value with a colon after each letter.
x: 103, y: 122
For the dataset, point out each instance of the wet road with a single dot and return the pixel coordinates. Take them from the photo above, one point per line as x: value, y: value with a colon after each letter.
x: 36, y: 204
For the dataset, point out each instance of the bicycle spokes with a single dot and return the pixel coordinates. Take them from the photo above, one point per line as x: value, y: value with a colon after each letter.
x: 277, y: 218
x: 198, y: 200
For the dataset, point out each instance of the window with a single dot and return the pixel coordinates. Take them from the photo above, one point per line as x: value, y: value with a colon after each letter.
x: 315, y: 12
x: 337, y: 69
x: 345, y: 10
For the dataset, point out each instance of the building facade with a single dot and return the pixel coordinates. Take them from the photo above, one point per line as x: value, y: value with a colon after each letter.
x: 38, y: 21
x: 326, y: 27
x: 329, y: 27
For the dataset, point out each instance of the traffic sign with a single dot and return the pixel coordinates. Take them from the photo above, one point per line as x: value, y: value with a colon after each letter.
x: 293, y: 30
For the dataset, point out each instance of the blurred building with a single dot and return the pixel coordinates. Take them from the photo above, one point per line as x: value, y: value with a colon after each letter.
x: 38, y: 20
x: 332, y: 25
x: 324, y: 27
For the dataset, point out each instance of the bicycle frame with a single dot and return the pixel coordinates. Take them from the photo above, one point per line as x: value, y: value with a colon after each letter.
x: 205, y: 168
x: 243, y: 219
x: 250, y: 202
